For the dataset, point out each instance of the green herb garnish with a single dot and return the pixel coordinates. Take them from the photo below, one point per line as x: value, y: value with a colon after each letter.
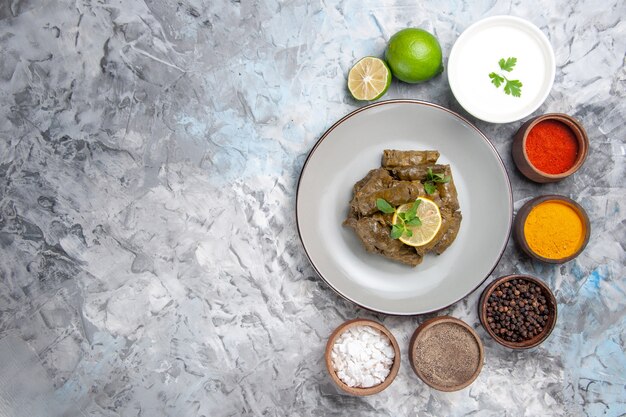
x: 384, y: 206
x: 432, y: 179
x: 511, y: 87
x: 507, y: 65
x: 407, y: 218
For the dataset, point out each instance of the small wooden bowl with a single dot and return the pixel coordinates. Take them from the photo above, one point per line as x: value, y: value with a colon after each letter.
x: 418, y: 338
x: 355, y: 390
x: 522, y: 215
x: 521, y: 157
x: 552, y: 312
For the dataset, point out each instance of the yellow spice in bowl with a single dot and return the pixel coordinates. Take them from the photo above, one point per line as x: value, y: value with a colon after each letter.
x: 554, y: 230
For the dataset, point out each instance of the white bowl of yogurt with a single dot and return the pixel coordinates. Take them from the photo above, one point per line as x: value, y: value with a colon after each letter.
x: 501, y: 69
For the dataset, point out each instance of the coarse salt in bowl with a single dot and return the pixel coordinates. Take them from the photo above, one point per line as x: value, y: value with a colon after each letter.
x: 362, y: 357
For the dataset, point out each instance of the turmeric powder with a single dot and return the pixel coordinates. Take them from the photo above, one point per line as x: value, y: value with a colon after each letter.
x: 554, y: 230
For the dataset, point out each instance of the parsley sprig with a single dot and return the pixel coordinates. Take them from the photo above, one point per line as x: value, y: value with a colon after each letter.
x: 432, y: 179
x: 407, y: 218
x: 511, y: 87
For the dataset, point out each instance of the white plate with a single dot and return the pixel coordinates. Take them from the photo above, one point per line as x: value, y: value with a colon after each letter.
x: 476, y: 54
x: 353, y: 146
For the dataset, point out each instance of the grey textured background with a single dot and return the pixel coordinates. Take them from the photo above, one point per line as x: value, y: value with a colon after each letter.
x: 149, y: 155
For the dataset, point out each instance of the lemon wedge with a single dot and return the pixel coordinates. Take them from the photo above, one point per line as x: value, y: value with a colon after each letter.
x: 369, y: 79
x: 428, y: 212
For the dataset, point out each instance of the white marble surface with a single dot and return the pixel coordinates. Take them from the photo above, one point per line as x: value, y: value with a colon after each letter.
x: 149, y: 155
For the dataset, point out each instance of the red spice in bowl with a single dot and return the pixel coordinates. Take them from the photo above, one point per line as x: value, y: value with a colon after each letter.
x: 551, y: 147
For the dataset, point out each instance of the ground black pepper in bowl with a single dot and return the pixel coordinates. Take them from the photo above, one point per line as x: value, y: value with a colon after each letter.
x: 518, y: 311
x: 446, y: 353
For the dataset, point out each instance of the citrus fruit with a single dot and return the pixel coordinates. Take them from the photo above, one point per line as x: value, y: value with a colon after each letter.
x: 414, y: 56
x: 369, y: 79
x: 428, y: 212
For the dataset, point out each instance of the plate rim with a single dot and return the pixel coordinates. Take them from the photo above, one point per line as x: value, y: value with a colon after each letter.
x: 422, y: 103
x: 531, y: 26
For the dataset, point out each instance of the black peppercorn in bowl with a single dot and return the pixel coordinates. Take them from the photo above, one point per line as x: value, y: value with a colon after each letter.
x: 518, y: 311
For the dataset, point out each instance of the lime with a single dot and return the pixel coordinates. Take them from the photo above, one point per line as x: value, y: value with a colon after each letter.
x: 414, y: 56
x: 430, y: 216
x: 369, y: 79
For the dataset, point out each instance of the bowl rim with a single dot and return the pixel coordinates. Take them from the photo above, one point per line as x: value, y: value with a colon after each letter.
x: 434, y: 322
x: 452, y: 58
x: 531, y: 343
x: 329, y: 364
x: 577, y: 129
x: 522, y: 215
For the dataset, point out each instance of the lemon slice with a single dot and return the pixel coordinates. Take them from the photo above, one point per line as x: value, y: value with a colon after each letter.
x: 429, y: 214
x: 369, y: 79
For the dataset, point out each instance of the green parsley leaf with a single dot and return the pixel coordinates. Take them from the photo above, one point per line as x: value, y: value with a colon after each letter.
x: 397, y: 230
x: 384, y: 206
x: 513, y: 87
x: 429, y: 187
x: 408, y: 217
x: 438, y: 178
x: 414, y: 222
x: 496, y: 79
x: 410, y: 214
x: 432, y: 179
x: 508, y: 64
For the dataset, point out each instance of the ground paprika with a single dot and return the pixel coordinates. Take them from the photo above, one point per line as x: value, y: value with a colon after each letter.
x: 551, y: 147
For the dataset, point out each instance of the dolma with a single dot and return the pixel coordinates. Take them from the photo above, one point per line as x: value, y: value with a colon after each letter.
x: 447, y: 239
x: 376, y: 179
x: 400, y: 181
x: 447, y: 191
x: 375, y: 236
x: 398, y: 193
x: 416, y: 172
x: 394, y: 158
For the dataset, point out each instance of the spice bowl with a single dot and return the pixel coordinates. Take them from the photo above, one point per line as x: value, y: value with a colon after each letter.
x: 569, y: 229
x: 505, y: 298
x: 562, y: 124
x: 446, y: 353
x: 345, y: 329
